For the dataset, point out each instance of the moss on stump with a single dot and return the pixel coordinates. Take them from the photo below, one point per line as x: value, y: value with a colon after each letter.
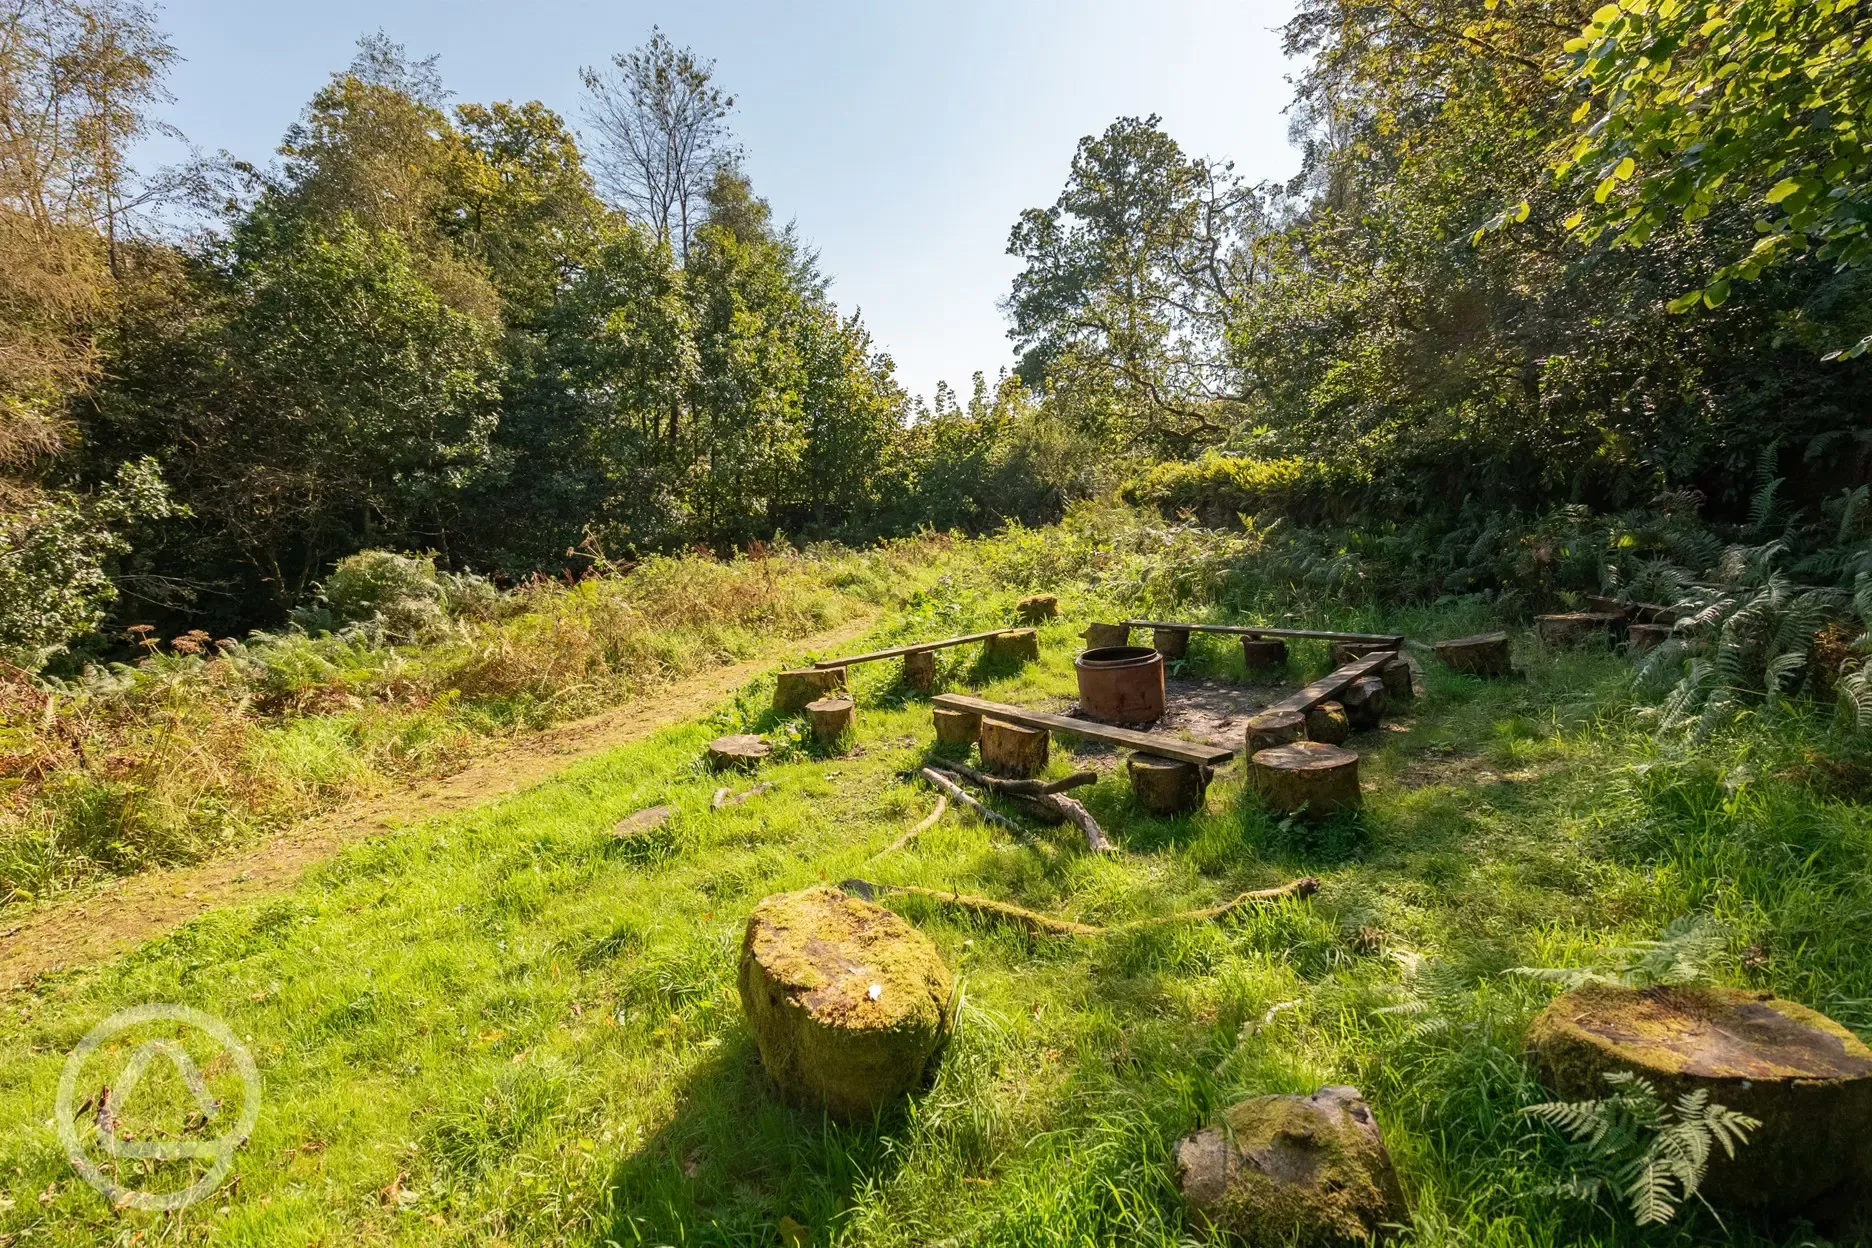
x: 1485, y: 654
x: 1271, y: 728
x: 1098, y: 636
x: 1017, y: 645
x: 1038, y: 608
x: 1289, y: 1170
x: 1805, y: 1077
x: 847, y: 1002
x: 1327, y: 723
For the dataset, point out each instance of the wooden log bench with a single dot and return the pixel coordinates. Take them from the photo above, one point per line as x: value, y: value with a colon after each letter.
x: 1386, y: 640
x: 919, y: 671
x: 1171, y: 778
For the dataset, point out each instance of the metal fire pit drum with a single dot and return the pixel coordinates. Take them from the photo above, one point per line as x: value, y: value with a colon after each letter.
x: 1121, y: 684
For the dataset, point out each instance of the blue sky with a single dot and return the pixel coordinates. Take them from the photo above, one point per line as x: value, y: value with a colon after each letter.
x: 903, y: 139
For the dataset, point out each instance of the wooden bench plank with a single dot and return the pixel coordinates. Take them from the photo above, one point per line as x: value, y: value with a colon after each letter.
x: 1327, y: 687
x: 898, y: 652
x: 1250, y: 630
x: 1149, y: 743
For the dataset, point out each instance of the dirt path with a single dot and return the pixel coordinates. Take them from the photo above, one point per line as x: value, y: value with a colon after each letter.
x: 135, y: 909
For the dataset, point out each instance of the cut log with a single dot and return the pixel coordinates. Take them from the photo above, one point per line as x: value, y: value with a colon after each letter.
x: 1364, y: 703
x: 1019, y: 645
x: 1485, y: 654
x: 1309, y: 1171
x: 1075, y: 813
x: 1165, y: 786
x: 1640, y: 638
x: 1098, y: 636
x: 1038, y: 608
x: 1172, y: 643
x: 793, y: 690
x: 1344, y: 652
x: 1807, y: 1079
x: 957, y: 727
x: 1608, y: 606
x: 1012, y: 750
x: 831, y: 718
x: 1573, y: 628
x: 1327, y: 723
x: 1272, y: 728
x: 1308, y: 776
x: 1262, y: 654
x: 1398, y: 678
x: 740, y: 752
x: 919, y: 671
x: 848, y: 1003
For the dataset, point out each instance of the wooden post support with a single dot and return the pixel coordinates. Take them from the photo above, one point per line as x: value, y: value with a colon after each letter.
x: 742, y: 752
x: 1263, y: 653
x: 1365, y: 703
x: 793, y: 690
x: 831, y: 718
x: 957, y: 727
x: 1485, y: 654
x: 1038, y: 608
x: 1397, y: 679
x: 1010, y: 750
x: 1098, y: 636
x: 1572, y: 628
x: 1306, y: 776
x: 1172, y: 643
x: 1642, y: 637
x: 1344, y: 652
x: 919, y: 670
x: 1272, y: 728
x: 1165, y: 786
x: 1327, y: 723
x: 1019, y: 645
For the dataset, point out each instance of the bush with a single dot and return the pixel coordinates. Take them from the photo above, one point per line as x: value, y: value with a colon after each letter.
x: 1217, y: 489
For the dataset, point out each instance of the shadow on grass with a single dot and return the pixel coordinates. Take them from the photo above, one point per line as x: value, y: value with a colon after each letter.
x: 734, y: 1160
x: 1302, y: 840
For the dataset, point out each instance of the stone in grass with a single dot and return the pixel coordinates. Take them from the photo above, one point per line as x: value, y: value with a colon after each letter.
x: 848, y: 1003
x: 1806, y: 1078
x: 1310, y: 1171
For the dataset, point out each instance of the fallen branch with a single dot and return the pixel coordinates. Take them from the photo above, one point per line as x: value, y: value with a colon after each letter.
x: 947, y: 786
x: 722, y: 797
x: 1044, y: 801
x: 942, y: 804
x: 1047, y: 924
x: 1018, y: 788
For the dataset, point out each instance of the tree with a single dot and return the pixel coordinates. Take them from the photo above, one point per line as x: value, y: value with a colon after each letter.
x: 662, y: 134
x: 1759, y: 105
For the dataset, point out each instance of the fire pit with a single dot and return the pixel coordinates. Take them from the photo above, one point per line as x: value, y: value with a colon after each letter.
x: 1121, y: 684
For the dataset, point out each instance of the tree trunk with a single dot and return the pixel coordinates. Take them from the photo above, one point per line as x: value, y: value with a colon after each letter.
x: 831, y: 718
x: 1010, y: 750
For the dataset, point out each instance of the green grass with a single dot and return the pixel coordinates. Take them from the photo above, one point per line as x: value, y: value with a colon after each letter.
x: 504, y: 1027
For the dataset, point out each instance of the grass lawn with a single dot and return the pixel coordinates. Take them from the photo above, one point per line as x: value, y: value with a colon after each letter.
x: 509, y: 1027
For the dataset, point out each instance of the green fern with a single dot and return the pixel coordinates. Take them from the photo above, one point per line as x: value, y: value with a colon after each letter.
x: 1685, y: 952
x: 1631, y: 1143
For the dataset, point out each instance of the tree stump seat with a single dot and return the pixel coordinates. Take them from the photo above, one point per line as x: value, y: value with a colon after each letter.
x: 1306, y: 776
x: 1327, y: 723
x: 1172, y: 643
x: 740, y: 752
x: 1018, y: 645
x: 961, y: 728
x: 1575, y: 628
x: 1271, y: 728
x: 793, y: 690
x: 1099, y: 636
x: 1364, y: 702
x: 831, y: 718
x: 1011, y: 750
x: 1038, y: 608
x: 1261, y: 654
x: 919, y: 670
x: 1167, y: 786
x: 1485, y: 654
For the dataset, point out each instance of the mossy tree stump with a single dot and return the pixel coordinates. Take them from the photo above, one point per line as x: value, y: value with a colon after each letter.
x: 1038, y: 608
x: 1261, y: 654
x: 1172, y: 643
x: 1098, y: 636
x: 1308, y: 1171
x: 1807, y: 1079
x: 1608, y: 606
x: 740, y: 752
x: 1576, y: 628
x: 1364, y: 702
x: 1272, y: 728
x: 1397, y: 679
x: 1019, y: 645
x: 1165, y: 786
x: 957, y: 727
x: 1640, y: 638
x: 793, y: 690
x: 847, y: 1002
x: 1344, y: 652
x: 1327, y: 722
x: 831, y: 718
x: 1308, y: 776
x: 919, y: 670
x: 1010, y: 750
x: 1485, y: 654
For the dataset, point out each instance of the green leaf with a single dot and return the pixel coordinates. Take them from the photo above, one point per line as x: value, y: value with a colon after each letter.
x: 1683, y: 303
x: 1717, y: 292
x: 1782, y: 189
x: 1625, y: 169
